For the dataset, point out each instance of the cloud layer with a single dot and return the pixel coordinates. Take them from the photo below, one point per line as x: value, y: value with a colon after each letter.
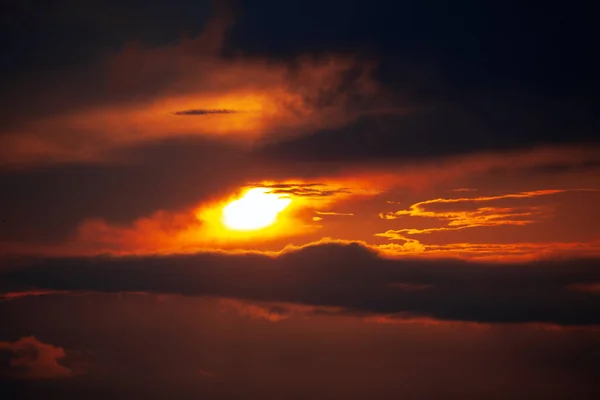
x: 349, y: 276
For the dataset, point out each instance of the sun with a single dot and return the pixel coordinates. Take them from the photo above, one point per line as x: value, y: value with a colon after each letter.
x: 256, y: 209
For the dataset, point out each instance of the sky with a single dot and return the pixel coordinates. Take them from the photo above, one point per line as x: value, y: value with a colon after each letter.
x: 331, y: 200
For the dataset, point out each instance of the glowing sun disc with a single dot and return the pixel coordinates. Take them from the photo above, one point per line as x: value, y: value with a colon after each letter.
x: 256, y: 209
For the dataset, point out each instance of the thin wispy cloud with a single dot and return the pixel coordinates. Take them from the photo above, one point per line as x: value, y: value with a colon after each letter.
x: 202, y: 112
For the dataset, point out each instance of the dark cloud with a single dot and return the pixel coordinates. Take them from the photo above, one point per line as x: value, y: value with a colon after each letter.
x: 348, y: 276
x: 471, y: 45
x: 76, y: 34
x: 475, y: 77
x: 306, y: 190
x: 507, y: 78
x: 430, y: 79
x: 577, y: 166
x: 144, y: 348
x: 48, y: 202
x: 434, y: 131
x: 57, y: 46
x: 205, y: 112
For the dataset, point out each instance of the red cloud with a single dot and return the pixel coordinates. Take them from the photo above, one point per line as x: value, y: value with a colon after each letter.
x: 33, y: 359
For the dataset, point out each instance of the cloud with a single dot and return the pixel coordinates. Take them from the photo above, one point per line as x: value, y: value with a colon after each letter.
x: 169, y: 174
x: 471, y: 212
x: 269, y: 313
x: 348, y: 276
x: 334, y: 213
x: 427, y: 131
x: 205, y: 374
x: 593, y: 287
x: 205, y: 112
x: 309, y: 106
x: 17, y: 295
x: 32, y: 359
x: 456, y: 215
x: 201, y: 227
x: 410, y: 286
x: 167, y: 179
x: 136, y: 94
x: 449, y: 170
x: 306, y: 189
x: 179, y: 218
x: 464, y: 190
x: 490, y: 252
x: 275, y: 312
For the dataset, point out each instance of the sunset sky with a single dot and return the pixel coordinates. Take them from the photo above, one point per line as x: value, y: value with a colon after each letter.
x: 261, y: 199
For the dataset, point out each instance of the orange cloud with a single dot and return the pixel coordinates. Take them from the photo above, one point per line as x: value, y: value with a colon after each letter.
x: 33, y: 359
x: 197, y: 228
x: 187, y: 88
x: 459, y: 214
x: 202, y: 227
x: 476, y: 211
x: 334, y: 213
x: 464, y: 190
x: 501, y: 252
x: 419, y: 175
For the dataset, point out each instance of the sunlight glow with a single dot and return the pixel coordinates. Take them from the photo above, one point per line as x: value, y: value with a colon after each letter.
x: 256, y: 209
